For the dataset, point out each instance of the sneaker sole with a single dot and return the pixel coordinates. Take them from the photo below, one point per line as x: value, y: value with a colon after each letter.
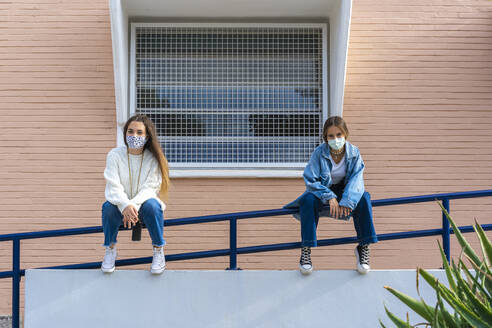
x: 157, y: 271
x: 111, y: 270
x: 305, y: 271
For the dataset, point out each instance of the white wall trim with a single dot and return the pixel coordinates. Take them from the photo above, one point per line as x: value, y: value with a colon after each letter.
x: 119, y: 35
x: 251, y: 24
x: 231, y: 173
x: 339, y: 34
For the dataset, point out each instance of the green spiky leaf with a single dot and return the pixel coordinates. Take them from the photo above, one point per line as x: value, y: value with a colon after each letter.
x: 450, y: 297
x: 449, y: 320
x: 481, y: 310
x: 419, y: 307
x: 487, y: 278
x: 455, y: 302
x: 484, y: 242
x: 397, y: 321
x: 461, y: 239
x: 449, y: 274
x: 477, y: 284
x: 469, y: 294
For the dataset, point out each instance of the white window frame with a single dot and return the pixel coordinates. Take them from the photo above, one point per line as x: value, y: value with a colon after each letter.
x: 234, y: 169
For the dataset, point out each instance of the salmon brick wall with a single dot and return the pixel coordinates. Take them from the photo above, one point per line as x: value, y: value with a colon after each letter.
x: 418, y: 100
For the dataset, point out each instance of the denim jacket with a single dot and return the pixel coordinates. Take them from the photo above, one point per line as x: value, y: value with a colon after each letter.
x: 317, y: 176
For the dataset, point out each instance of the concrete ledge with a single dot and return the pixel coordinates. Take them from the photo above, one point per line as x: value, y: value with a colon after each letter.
x: 135, y: 298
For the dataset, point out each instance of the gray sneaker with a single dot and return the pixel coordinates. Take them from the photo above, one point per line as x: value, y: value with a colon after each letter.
x: 158, y: 261
x: 107, y: 265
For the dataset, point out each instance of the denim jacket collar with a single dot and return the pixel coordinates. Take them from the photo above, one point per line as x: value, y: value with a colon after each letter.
x: 317, y: 176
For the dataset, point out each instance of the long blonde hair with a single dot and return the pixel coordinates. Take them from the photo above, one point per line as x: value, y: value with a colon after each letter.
x: 154, y: 147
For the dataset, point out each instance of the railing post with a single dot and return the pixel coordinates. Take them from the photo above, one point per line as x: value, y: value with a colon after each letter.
x: 233, y: 244
x: 445, y: 230
x: 15, y: 282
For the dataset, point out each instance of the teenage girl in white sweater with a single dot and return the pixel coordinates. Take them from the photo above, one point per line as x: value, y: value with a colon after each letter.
x: 137, y: 178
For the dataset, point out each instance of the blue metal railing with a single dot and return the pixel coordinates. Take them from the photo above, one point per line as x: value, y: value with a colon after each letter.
x: 233, y: 250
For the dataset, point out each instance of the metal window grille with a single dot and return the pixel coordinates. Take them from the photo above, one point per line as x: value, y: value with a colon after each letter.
x: 241, y: 96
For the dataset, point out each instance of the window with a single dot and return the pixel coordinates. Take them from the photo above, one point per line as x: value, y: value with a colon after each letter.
x: 231, y: 96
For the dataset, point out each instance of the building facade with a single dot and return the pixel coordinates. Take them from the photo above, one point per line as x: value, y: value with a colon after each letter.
x: 417, y: 98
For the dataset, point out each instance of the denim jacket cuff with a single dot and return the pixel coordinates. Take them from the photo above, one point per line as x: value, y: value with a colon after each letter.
x: 326, y: 197
x: 347, y: 203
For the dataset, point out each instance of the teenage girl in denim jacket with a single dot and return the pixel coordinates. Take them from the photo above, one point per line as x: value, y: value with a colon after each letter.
x: 333, y: 177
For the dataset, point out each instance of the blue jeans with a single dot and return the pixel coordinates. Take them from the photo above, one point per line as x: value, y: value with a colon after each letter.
x: 362, y: 216
x: 150, y: 213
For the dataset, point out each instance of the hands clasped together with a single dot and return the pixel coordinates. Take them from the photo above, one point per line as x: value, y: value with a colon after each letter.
x: 337, y: 211
x: 130, y: 216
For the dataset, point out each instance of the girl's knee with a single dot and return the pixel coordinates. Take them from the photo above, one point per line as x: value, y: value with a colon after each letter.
x: 366, y: 197
x: 308, y: 198
x: 365, y: 202
x: 151, y: 206
x: 109, y: 209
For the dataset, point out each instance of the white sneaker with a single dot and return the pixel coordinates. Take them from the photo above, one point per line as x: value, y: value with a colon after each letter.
x: 158, y: 261
x: 305, y: 264
x: 107, y: 265
x: 362, y: 256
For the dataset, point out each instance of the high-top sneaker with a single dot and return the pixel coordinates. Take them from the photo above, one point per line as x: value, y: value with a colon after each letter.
x: 362, y: 255
x: 305, y: 264
x: 158, y: 261
x: 107, y: 265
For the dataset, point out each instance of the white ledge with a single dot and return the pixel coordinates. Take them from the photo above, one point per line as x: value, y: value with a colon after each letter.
x: 217, y: 299
x: 234, y: 173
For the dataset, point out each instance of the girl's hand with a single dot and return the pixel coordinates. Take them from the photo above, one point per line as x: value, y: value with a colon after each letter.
x: 130, y: 216
x: 334, y: 208
x: 344, y: 211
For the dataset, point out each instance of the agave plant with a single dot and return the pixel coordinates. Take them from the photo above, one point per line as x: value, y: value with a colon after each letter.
x: 469, y: 294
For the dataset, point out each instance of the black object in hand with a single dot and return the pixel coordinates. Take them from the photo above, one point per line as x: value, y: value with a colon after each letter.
x: 137, y: 231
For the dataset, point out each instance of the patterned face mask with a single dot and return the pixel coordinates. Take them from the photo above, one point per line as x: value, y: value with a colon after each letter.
x: 136, y: 142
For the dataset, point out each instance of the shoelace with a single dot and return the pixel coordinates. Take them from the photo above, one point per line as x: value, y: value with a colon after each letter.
x: 363, y: 254
x: 158, y: 256
x: 108, y: 256
x: 306, y: 256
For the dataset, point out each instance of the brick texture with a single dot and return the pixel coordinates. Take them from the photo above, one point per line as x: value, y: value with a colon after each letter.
x: 417, y: 100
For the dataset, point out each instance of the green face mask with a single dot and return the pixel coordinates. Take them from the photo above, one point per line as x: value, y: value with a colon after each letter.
x: 336, y: 143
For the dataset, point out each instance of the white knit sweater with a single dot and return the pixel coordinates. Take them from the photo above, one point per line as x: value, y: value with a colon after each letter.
x: 118, y: 180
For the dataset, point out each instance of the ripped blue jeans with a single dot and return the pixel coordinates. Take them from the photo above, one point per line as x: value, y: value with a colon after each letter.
x: 150, y: 213
x: 310, y: 206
